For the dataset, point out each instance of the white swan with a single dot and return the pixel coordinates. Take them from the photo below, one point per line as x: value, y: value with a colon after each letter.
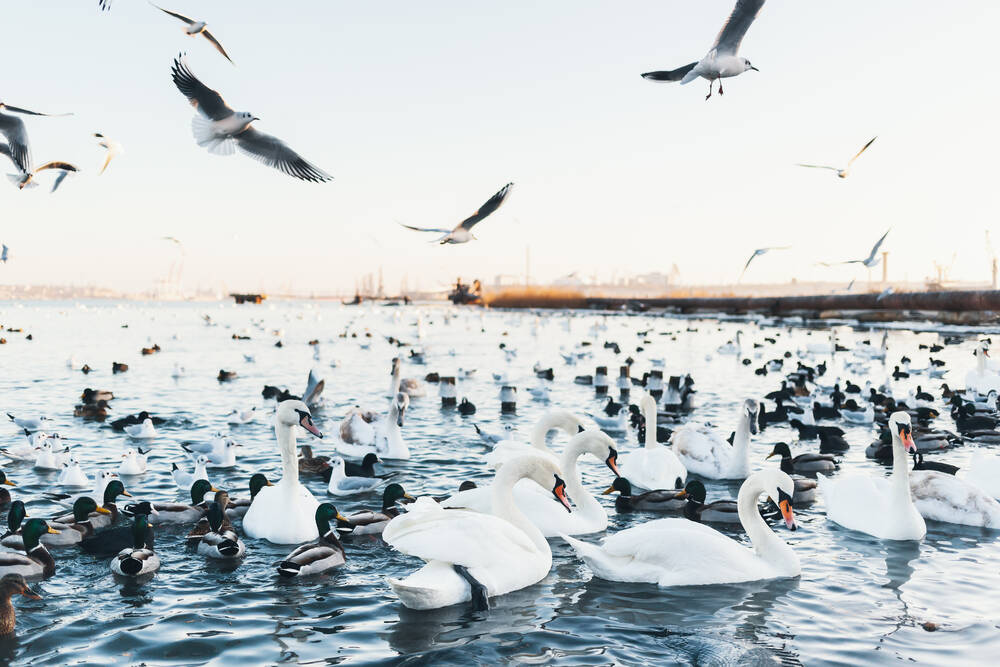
x: 703, y: 451
x: 364, y: 432
x: 942, y: 497
x: 412, y: 387
x: 982, y: 378
x: 472, y: 556
x: 679, y: 552
x: 879, y: 506
x: 544, y: 511
x: 655, y: 466
x: 285, y: 513
x: 558, y: 418
x: 732, y: 347
x: 984, y: 471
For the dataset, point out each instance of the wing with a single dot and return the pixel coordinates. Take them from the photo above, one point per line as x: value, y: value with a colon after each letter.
x: 274, y: 153
x: 64, y: 166
x: 202, y: 98
x: 12, y: 127
x: 816, y: 166
x: 878, y: 245
x: 486, y: 209
x: 863, y: 149
x: 747, y: 265
x: 426, y: 229
x: 107, y: 161
x: 669, y: 75
x: 218, y: 47
x: 59, y: 179
x: 728, y: 40
x: 174, y: 14
x: 104, y: 5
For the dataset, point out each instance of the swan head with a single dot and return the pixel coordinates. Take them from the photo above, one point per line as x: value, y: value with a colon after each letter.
x: 395, y: 366
x: 751, y: 409
x: 296, y: 413
x: 542, y: 471
x: 564, y: 420
x: 779, y: 487
x: 599, y: 444
x: 647, y: 403
x: 399, y: 405
x: 984, y: 348
x: 899, y: 427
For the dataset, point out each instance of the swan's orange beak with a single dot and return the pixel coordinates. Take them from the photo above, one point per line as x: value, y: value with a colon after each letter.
x: 785, y: 505
x: 559, y: 491
x: 908, y: 444
x: 307, y: 423
x: 612, y: 462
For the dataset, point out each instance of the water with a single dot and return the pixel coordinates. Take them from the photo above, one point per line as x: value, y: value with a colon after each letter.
x: 858, y: 601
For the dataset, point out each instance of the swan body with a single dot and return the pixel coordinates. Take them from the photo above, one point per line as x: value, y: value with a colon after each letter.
x: 984, y: 472
x: 563, y: 420
x: 501, y: 552
x: 369, y: 433
x: 284, y: 513
x: 678, y: 552
x: 942, y: 497
x: 705, y: 452
x: 879, y: 506
x: 541, y: 508
x: 982, y: 378
x: 654, y: 466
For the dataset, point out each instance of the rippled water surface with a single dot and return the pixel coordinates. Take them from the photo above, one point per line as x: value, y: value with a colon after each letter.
x: 858, y: 601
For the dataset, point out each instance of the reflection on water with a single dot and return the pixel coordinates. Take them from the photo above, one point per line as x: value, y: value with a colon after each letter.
x: 858, y: 601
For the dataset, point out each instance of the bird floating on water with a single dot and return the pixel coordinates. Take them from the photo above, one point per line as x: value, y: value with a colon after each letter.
x: 221, y: 130
x: 463, y: 232
x: 841, y: 173
x: 721, y: 60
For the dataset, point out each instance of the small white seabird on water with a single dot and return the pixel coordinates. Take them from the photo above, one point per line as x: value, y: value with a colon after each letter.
x: 841, y: 173
x: 221, y: 130
x: 197, y: 28
x: 113, y: 147
x: 463, y: 232
x: 721, y: 60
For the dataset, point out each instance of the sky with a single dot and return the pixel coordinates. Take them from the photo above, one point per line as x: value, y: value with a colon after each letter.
x: 421, y: 111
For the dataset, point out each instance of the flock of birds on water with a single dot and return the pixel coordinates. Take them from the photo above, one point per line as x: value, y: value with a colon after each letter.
x: 486, y: 540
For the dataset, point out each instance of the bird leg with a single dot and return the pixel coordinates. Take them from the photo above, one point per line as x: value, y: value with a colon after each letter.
x: 720, y: 85
x: 710, y: 84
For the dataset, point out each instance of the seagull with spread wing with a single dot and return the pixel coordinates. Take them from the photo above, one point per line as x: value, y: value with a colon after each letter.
x: 221, y: 130
x: 19, y: 151
x: 871, y: 261
x: 113, y: 148
x: 463, y: 232
x: 197, y: 28
x: 841, y: 173
x: 757, y: 253
x: 721, y: 60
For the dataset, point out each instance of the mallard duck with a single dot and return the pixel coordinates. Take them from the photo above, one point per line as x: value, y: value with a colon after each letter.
x: 94, y: 395
x: 69, y: 533
x: 237, y: 508
x: 803, y: 463
x: 312, y: 465
x: 94, y: 411
x: 97, y: 519
x: 15, y: 515
x: 110, y: 541
x: 139, y: 559
x: 10, y: 585
x: 370, y: 522
x: 220, y: 543
x: 179, y: 512
x: 35, y: 560
x: 658, y: 500
x: 4, y: 493
x: 718, y: 511
x: 324, y: 554
x: 204, y: 527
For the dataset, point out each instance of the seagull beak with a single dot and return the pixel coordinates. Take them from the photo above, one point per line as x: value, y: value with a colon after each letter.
x: 754, y: 68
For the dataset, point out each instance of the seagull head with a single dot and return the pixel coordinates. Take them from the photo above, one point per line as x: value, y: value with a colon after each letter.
x: 246, y: 118
x: 747, y: 65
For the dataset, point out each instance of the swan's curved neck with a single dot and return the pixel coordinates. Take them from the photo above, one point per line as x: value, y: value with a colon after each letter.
x: 541, y: 429
x: 649, y: 413
x: 503, y: 502
x: 900, y: 479
x: 394, y: 387
x: 584, y: 500
x: 768, y: 546
x: 741, y: 442
x: 980, y: 362
x: 289, y: 461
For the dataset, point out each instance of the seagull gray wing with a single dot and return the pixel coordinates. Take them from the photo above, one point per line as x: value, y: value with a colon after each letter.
x: 426, y: 229
x: 314, y: 387
x: 729, y: 38
x: 863, y: 149
x: 59, y: 179
x: 877, y: 246
x: 104, y: 5
x: 747, y: 265
x: 202, y: 98
x: 492, y: 204
x: 669, y: 75
x: 274, y: 153
x: 12, y: 127
x: 218, y: 47
x: 174, y: 14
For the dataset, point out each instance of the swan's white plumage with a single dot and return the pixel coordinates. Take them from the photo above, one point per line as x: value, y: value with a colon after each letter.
x: 653, y: 466
x: 942, y: 497
x: 703, y: 451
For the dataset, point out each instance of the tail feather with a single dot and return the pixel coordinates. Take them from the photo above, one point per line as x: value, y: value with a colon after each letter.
x: 682, y: 74
x: 130, y: 566
x: 205, y: 137
x: 289, y: 569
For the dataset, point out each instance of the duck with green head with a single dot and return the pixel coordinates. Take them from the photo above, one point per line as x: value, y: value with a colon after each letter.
x: 324, y: 554
x: 139, y: 559
x: 238, y: 507
x: 658, y: 500
x: 100, y: 519
x: 220, y: 542
x: 370, y: 522
x: 35, y: 561
x: 181, y: 512
x: 84, y: 509
x: 718, y: 511
x: 110, y: 541
x: 15, y: 516
x: 203, y: 527
x: 4, y: 493
x: 11, y: 585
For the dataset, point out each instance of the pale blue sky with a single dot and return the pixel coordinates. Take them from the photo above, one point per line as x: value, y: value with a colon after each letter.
x: 421, y: 111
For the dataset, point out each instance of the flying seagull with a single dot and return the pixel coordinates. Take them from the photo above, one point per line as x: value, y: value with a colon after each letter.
x: 13, y: 129
x: 221, y: 130
x: 113, y: 147
x: 841, y: 173
x: 757, y: 253
x: 105, y: 5
x: 872, y: 260
x: 197, y: 28
x: 463, y: 232
x: 721, y: 60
